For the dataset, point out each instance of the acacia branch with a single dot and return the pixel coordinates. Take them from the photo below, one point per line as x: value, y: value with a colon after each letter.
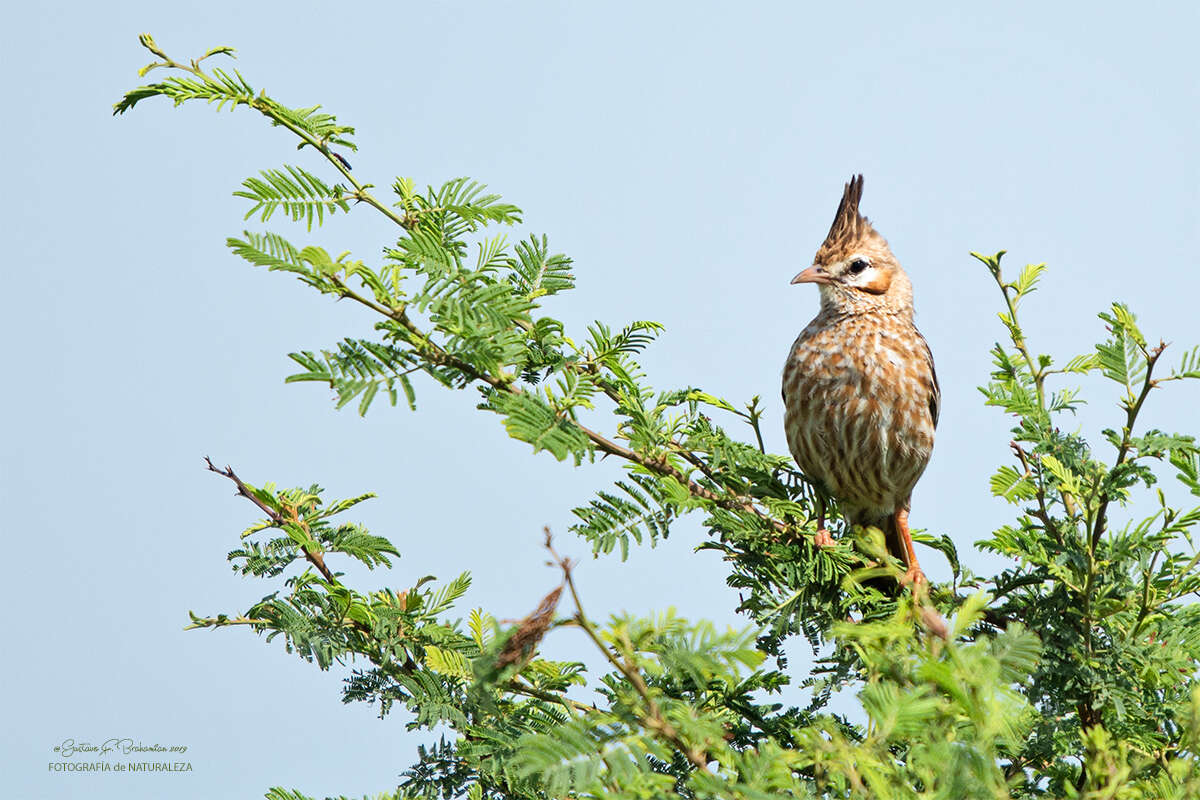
x: 1042, y: 513
x: 653, y: 719
x: 437, y: 355
x: 314, y: 556
x: 538, y: 694
x: 1131, y: 413
x: 1018, y: 340
x: 221, y: 622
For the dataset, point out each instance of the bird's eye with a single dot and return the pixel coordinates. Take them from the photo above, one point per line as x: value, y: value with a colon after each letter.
x: 858, y: 265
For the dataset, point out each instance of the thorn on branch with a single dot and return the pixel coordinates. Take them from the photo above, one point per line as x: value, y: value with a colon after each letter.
x: 340, y: 158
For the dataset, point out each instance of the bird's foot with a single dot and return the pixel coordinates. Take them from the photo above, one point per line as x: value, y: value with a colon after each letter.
x: 822, y: 538
x: 914, y: 577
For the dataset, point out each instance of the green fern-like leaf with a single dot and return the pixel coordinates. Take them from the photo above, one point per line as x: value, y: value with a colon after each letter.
x: 447, y: 662
x: 531, y: 420
x: 537, y: 272
x: 222, y: 88
x: 461, y: 205
x: 1012, y: 485
x: 1026, y: 282
x: 360, y: 368
x: 321, y: 126
x: 444, y: 598
x: 1121, y: 358
x: 356, y: 542
x: 269, y: 250
x: 639, y: 511
x: 297, y: 192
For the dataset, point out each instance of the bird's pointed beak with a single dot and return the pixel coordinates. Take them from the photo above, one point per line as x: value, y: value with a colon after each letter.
x: 813, y: 274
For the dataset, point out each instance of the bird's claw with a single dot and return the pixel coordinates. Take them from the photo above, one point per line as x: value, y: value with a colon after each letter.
x: 914, y: 576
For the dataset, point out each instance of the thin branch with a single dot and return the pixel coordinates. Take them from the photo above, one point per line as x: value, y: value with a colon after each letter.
x: 549, y: 697
x: 1126, y: 445
x: 653, y: 719
x: 752, y: 416
x: 1144, y: 604
x: 1043, y: 514
x: 219, y: 622
x: 1018, y: 340
x: 314, y: 556
x: 436, y: 354
x: 266, y: 107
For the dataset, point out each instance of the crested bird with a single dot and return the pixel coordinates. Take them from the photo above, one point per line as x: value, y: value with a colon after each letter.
x: 859, y: 388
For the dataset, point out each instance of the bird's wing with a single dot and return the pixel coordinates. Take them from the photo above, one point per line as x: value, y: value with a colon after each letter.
x: 935, y: 391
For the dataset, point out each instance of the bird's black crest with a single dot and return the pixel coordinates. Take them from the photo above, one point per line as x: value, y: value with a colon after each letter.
x: 848, y: 224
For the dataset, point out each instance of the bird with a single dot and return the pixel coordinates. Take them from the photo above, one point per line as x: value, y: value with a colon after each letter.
x: 860, y: 392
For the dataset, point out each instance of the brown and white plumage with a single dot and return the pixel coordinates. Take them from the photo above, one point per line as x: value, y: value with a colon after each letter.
x: 859, y: 388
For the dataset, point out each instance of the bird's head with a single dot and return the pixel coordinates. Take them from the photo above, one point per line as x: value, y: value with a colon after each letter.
x: 854, y: 267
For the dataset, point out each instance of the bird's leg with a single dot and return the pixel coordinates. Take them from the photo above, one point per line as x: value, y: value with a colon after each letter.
x: 912, y: 573
x: 822, y: 537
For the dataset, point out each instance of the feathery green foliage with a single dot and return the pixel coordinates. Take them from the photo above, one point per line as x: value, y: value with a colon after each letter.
x: 1071, y: 673
x: 297, y: 192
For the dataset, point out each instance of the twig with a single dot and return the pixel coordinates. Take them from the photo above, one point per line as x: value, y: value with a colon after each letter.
x: 653, y: 719
x: 1131, y: 413
x: 1043, y: 514
x: 314, y: 556
x: 1018, y: 340
x: 532, y: 691
x: 427, y: 348
x: 218, y: 622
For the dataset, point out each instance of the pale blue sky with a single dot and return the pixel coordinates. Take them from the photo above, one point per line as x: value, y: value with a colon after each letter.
x: 689, y: 157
